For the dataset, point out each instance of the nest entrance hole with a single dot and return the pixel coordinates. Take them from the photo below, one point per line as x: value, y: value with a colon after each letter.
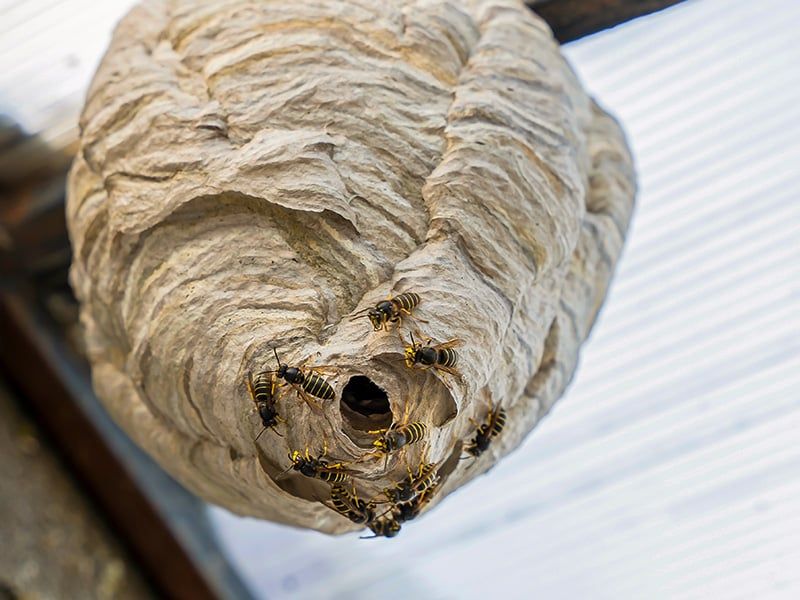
x: 365, y: 405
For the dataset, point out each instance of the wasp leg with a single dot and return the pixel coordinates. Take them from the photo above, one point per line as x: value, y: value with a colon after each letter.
x: 408, y: 312
x: 408, y: 468
x: 250, y: 387
x: 371, y: 454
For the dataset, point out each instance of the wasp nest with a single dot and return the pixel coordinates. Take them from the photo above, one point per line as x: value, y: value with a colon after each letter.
x: 256, y: 175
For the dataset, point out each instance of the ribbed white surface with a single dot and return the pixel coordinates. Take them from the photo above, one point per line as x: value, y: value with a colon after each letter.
x: 49, y: 50
x: 672, y: 467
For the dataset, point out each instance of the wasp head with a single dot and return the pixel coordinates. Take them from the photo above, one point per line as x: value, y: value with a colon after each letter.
x: 385, y: 528
x: 395, y: 440
x: 410, y: 353
x: 376, y: 317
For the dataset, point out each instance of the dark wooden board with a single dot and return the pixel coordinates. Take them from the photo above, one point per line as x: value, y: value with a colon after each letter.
x: 573, y: 19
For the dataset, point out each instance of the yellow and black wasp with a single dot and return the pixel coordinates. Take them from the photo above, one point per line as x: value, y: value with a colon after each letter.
x: 397, y: 436
x: 491, y: 427
x: 349, y: 505
x: 407, y: 511
x: 305, y: 382
x: 262, y: 391
x: 319, y: 468
x: 414, y: 485
x: 390, y: 310
x: 384, y: 525
x: 439, y: 356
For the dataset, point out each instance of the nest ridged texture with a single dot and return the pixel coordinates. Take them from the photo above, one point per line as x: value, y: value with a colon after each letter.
x: 251, y: 174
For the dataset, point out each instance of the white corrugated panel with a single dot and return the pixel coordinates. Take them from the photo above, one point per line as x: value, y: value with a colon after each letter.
x: 672, y: 467
x: 49, y: 50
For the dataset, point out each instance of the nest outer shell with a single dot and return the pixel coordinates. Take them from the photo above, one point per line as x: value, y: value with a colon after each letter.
x: 251, y: 174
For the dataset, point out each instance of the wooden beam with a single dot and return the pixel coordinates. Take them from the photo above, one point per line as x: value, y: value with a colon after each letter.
x: 160, y: 524
x: 574, y: 19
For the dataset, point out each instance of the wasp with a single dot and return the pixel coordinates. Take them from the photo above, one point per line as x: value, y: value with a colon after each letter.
x: 413, y: 485
x: 397, y: 436
x: 262, y: 391
x: 318, y: 468
x: 491, y: 427
x: 306, y: 383
x: 439, y: 356
x: 350, y: 505
x: 407, y: 511
x: 383, y: 526
x: 390, y: 310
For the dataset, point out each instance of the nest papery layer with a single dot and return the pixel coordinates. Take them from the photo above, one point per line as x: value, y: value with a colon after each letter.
x: 252, y: 174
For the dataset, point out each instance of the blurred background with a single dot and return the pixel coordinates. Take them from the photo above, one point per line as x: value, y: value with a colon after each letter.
x: 670, y: 469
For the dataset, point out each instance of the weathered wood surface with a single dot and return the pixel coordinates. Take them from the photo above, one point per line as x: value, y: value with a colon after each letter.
x: 54, y: 545
x: 573, y: 19
x: 250, y: 177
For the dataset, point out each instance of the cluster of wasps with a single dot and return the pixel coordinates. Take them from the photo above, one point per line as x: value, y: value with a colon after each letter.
x: 384, y: 513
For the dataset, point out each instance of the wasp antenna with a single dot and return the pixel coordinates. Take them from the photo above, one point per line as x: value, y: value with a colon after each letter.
x: 367, y: 537
x: 275, y: 352
x: 358, y: 314
x: 405, y: 413
x: 250, y: 384
x: 263, y: 429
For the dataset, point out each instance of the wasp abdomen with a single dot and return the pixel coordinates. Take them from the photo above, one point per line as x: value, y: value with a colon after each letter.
x: 446, y: 357
x: 499, y: 422
x: 317, y: 386
x: 415, y: 432
x: 407, y: 300
x: 349, y: 506
x: 333, y: 476
x: 263, y: 388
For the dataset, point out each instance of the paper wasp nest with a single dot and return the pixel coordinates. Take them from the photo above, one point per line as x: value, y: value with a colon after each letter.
x: 253, y: 174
